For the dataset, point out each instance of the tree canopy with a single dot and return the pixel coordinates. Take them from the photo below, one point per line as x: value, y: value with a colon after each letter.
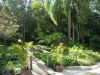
x: 77, y: 20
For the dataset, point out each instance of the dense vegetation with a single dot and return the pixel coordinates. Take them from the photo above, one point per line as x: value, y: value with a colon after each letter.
x: 62, y: 29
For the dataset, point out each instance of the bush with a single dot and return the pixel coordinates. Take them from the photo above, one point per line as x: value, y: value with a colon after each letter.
x: 54, y: 38
x: 84, y: 56
x: 52, y: 54
x: 14, y: 57
x: 95, y: 42
x: 7, y: 60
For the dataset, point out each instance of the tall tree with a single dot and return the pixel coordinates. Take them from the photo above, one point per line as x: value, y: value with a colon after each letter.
x: 8, y: 24
x: 81, y: 7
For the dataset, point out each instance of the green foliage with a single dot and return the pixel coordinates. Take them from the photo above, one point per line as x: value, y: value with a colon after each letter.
x: 14, y: 57
x: 28, y: 45
x: 54, y: 55
x: 83, y: 56
x: 41, y: 56
x: 21, y: 51
x: 8, y: 26
x: 13, y: 65
x: 54, y: 38
x: 59, y: 53
x: 95, y: 42
x: 38, y: 20
x: 76, y: 55
x: 36, y: 5
x: 70, y: 42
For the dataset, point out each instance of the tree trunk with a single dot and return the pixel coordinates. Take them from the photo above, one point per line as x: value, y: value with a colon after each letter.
x: 77, y: 30
x: 73, y: 32
x: 69, y: 24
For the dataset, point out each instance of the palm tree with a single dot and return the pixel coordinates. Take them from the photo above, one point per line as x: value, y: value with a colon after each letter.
x: 67, y: 7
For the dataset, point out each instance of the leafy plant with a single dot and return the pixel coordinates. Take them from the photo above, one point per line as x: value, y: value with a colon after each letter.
x: 54, y: 38
x: 76, y: 55
x: 83, y: 56
x: 21, y: 51
x: 59, y: 53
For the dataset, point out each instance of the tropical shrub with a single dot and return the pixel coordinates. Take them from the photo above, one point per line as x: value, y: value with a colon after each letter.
x: 83, y: 56
x: 14, y: 57
x: 21, y: 51
x: 54, y: 38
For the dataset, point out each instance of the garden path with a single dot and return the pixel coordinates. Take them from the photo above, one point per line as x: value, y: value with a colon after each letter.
x: 39, y: 68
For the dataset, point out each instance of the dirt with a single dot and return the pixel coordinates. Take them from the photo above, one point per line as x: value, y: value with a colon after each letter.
x: 24, y: 72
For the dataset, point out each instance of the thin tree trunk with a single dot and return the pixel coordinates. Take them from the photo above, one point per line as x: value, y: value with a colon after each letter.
x: 69, y: 24
x: 77, y: 30
x: 73, y: 32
